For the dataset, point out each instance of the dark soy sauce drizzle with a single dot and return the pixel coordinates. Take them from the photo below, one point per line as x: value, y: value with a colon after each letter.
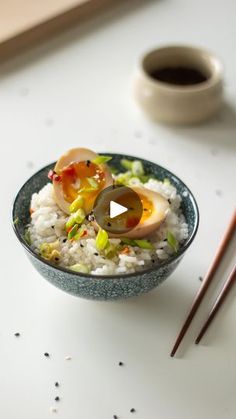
x: 182, y: 76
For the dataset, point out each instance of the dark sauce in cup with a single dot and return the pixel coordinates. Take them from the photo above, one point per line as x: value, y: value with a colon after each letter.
x: 182, y: 76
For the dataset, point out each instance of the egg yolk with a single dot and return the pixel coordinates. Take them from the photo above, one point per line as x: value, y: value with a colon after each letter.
x: 133, y: 219
x: 77, y: 177
x: 147, y: 208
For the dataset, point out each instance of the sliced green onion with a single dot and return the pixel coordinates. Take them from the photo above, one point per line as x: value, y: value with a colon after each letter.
x: 123, y: 178
x: 76, y: 204
x: 27, y: 237
x: 73, y: 231
x: 166, y: 182
x: 114, y: 170
x: 79, y: 233
x: 137, y: 168
x: 129, y: 242
x: 133, y: 180
x: 127, y: 164
x: 79, y: 216
x: 101, y: 239
x: 16, y: 221
x: 45, y: 250
x: 144, y: 244
x: 92, y: 182
x: 145, y: 178
x: 71, y: 222
x: 80, y: 267
x: 50, y: 251
x: 111, y: 250
x: 101, y: 159
x: 171, y: 240
x: 87, y: 190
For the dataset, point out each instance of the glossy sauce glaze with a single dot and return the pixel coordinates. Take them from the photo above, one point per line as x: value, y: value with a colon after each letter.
x: 75, y: 179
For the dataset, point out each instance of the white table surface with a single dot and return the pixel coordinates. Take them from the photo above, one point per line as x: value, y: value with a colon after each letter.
x: 75, y: 91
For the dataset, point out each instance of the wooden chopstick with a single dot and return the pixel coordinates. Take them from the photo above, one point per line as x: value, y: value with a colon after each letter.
x: 218, y: 303
x: 206, y: 282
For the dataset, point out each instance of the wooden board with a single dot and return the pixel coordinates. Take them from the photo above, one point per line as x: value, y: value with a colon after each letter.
x: 24, y: 23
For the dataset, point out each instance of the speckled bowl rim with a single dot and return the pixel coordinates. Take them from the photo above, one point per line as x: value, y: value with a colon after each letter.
x: 117, y: 276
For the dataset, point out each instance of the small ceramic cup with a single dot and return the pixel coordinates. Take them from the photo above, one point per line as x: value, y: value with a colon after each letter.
x: 179, y: 104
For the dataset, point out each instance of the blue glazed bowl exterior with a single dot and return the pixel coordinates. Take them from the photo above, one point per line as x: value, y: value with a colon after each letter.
x: 104, y: 287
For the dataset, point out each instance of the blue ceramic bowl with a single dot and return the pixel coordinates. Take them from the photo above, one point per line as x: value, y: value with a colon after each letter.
x: 104, y: 287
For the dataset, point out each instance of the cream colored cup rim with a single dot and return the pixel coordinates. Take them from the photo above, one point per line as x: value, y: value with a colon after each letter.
x: 213, y: 80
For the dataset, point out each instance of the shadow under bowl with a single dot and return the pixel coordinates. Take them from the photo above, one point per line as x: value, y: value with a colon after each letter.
x: 104, y: 287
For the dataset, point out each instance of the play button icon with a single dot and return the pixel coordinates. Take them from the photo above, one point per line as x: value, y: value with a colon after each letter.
x: 118, y: 209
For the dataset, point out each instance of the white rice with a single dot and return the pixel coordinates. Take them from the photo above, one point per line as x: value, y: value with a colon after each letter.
x: 48, y: 225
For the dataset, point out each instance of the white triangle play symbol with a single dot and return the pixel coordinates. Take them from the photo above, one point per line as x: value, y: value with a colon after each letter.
x: 116, y: 209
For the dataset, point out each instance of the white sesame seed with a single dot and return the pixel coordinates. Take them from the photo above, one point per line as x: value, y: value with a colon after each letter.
x: 68, y: 358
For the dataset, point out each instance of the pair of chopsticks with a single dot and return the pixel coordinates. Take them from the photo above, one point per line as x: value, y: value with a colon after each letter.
x: 205, y: 285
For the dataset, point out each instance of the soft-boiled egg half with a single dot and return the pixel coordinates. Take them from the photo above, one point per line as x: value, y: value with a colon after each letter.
x: 79, y: 172
x: 155, y: 209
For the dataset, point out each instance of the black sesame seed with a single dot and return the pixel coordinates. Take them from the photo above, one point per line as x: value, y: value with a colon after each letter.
x: 64, y: 240
x: 200, y: 278
x: 57, y: 398
x: 81, y: 245
x: 132, y: 410
x: 57, y: 259
x: 88, y: 163
x: 153, y: 260
x: 96, y: 254
x: 46, y: 354
x: 169, y: 201
x: 109, y: 224
x: 56, y: 384
x: 52, y: 226
x: 121, y: 363
x: 17, y: 334
x: 115, y: 417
